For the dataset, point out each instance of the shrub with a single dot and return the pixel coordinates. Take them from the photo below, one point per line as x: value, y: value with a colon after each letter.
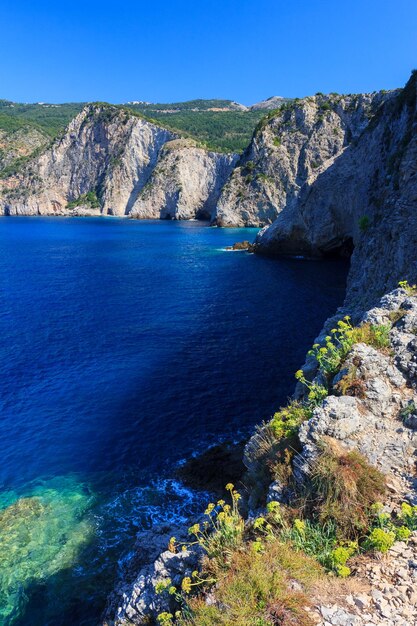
x: 407, y: 411
x: 410, y: 289
x: 277, y: 142
x: 375, y: 335
x: 397, y: 315
x: 222, y: 533
x: 314, y: 539
x: 380, y: 540
x: 351, y: 385
x: 90, y: 199
x: 402, y: 533
x: 316, y: 392
x: 262, y: 454
x: 325, y: 106
x: 408, y: 516
x: 344, y: 488
x: 338, y: 344
x: 364, y: 223
x: 286, y: 422
x: 330, y: 356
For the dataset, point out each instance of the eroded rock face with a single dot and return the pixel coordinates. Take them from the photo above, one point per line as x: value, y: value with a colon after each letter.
x: 366, y: 197
x: 289, y: 151
x: 185, y: 183
x: 104, y: 150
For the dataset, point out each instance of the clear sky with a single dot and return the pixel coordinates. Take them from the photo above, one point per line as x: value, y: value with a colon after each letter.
x: 171, y: 50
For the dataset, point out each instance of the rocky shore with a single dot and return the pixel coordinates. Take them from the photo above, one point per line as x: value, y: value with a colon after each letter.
x: 381, y: 422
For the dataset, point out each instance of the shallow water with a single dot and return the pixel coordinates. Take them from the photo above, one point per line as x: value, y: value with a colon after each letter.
x: 125, y: 347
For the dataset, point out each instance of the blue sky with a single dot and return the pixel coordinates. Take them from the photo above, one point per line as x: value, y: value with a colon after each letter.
x: 170, y: 50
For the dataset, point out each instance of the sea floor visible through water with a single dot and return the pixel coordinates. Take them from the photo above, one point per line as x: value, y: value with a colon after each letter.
x: 126, y: 347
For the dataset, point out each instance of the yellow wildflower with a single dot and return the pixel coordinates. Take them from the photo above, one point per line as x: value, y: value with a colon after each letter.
x: 186, y: 584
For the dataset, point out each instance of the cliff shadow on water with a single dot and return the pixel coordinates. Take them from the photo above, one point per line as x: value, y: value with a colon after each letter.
x: 151, y: 343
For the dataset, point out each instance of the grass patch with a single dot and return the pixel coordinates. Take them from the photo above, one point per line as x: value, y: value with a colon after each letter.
x: 256, y: 590
x: 410, y: 289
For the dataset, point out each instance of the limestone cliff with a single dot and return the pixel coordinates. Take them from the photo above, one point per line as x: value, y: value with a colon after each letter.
x: 366, y: 200
x: 104, y: 150
x: 185, y: 184
x: 104, y: 164
x: 290, y: 149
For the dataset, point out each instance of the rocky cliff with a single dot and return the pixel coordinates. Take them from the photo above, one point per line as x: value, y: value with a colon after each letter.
x: 104, y: 151
x: 105, y: 164
x: 185, y: 184
x: 290, y: 149
x: 365, y: 199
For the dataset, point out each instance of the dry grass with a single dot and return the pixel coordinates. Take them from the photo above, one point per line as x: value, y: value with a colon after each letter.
x: 344, y: 488
x: 258, y: 590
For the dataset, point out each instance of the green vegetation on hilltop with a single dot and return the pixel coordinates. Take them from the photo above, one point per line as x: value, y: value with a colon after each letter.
x: 189, y: 105
x: 224, y: 131
x: 50, y: 118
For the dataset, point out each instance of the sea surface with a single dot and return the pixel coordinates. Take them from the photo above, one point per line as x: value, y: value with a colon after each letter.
x: 125, y: 347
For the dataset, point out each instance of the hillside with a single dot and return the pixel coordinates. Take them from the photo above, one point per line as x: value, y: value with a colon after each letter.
x: 221, y: 125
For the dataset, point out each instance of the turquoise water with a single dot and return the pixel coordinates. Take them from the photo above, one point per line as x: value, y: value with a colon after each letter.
x: 126, y: 346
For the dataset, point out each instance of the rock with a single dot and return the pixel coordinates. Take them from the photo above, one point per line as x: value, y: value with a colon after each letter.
x: 361, y: 601
x: 363, y: 194
x: 142, y: 602
x: 185, y: 184
x: 242, y: 245
x: 289, y: 151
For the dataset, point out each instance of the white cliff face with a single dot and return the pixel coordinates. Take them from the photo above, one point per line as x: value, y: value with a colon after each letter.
x: 185, y: 184
x: 133, y: 166
x: 104, y: 150
x: 366, y: 198
x: 291, y: 149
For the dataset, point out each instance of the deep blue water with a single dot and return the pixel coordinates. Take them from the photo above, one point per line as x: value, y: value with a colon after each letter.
x: 126, y: 346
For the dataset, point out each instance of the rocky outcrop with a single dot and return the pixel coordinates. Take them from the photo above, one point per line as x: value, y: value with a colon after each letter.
x: 289, y: 151
x: 384, y: 593
x: 379, y: 419
x: 127, y: 164
x: 185, y: 183
x: 274, y: 102
x: 143, y: 602
x: 365, y: 199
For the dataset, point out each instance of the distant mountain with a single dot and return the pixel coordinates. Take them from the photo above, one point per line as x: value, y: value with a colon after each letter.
x: 274, y: 102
